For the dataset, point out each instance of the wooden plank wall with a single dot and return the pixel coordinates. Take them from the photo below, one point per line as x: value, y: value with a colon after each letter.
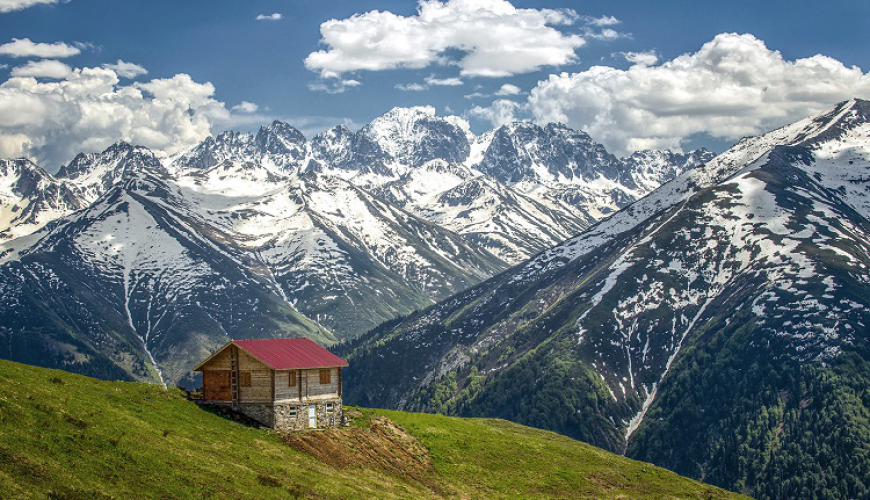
x: 260, y: 390
x: 310, y: 385
x: 220, y: 362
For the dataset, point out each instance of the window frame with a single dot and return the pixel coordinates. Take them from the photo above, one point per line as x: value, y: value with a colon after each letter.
x: 291, y: 379
x: 245, y: 379
x: 325, y: 375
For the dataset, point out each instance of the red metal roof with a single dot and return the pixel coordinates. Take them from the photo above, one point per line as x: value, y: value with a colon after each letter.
x: 289, y: 354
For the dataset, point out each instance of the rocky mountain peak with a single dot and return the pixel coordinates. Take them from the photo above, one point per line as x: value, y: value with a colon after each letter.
x: 416, y: 135
x: 281, y: 138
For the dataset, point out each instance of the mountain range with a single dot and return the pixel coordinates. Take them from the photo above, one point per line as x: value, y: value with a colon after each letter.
x: 716, y: 327
x: 127, y: 265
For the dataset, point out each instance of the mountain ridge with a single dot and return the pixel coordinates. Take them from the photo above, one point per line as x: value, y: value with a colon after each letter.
x: 754, y: 262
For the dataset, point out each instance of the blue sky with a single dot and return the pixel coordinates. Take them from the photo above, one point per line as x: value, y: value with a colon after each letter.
x: 263, y: 62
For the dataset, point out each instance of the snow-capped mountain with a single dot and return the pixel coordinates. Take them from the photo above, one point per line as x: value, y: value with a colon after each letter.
x: 528, y: 186
x: 164, y: 267
x: 30, y: 198
x: 508, y: 223
x: 339, y: 254
x: 135, y: 286
x: 718, y: 320
x: 95, y: 173
x: 150, y: 262
x: 278, y: 146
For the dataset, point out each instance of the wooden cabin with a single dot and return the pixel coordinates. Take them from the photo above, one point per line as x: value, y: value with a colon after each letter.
x: 285, y: 384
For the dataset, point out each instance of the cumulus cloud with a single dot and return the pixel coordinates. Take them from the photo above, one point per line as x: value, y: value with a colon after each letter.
x: 126, y: 69
x: 246, y: 107
x: 508, y: 89
x: 24, y: 47
x: 270, y: 17
x: 495, y: 39
x: 11, y: 5
x: 89, y: 109
x: 443, y: 82
x: 46, y: 68
x: 499, y: 113
x: 732, y: 87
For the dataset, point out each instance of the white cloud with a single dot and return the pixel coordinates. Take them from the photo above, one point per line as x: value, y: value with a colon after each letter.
x: 411, y: 87
x: 601, y: 21
x: 508, y: 89
x: 443, y: 82
x: 270, y: 17
x: 11, y: 5
x: 732, y: 87
x: 495, y: 38
x: 24, y: 47
x: 499, y: 113
x: 606, y: 34
x: 643, y: 58
x: 246, y: 107
x: 46, y: 68
x: 126, y: 69
x: 333, y: 86
x: 89, y: 110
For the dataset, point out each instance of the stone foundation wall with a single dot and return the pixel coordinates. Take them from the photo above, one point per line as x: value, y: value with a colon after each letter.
x: 262, y: 413
x: 294, y: 416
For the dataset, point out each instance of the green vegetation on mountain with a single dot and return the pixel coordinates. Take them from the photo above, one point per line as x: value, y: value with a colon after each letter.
x: 789, y: 429
x: 65, y: 436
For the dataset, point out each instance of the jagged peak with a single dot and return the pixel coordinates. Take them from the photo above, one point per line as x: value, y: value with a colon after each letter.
x: 228, y: 136
x: 117, y: 154
x: 281, y: 129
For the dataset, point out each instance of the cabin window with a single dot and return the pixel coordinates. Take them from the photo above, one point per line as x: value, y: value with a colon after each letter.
x: 329, y: 408
x: 292, y: 412
x: 245, y: 379
x: 292, y: 379
x: 324, y: 377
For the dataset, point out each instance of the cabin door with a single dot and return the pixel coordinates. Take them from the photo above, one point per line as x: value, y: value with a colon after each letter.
x: 216, y: 385
x: 312, y: 416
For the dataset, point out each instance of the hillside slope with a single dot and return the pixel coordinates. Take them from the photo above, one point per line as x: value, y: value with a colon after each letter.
x: 717, y: 327
x: 65, y: 436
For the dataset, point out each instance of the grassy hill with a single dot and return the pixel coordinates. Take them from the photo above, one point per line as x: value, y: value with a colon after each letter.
x: 65, y: 436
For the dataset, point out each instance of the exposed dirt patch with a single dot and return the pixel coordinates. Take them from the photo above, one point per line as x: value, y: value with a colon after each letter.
x: 384, y: 445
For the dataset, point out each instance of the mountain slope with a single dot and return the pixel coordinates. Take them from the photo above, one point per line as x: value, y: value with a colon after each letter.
x: 134, y: 287
x: 714, y: 327
x: 67, y: 436
x: 30, y: 198
x: 164, y: 268
x: 336, y: 252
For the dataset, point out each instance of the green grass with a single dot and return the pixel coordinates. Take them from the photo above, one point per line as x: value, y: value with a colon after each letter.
x: 64, y: 436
